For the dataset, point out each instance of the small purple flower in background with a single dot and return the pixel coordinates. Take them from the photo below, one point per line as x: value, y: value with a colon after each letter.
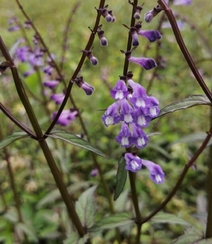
x: 51, y: 83
x: 111, y: 115
x: 58, y: 98
x: 156, y: 173
x: 120, y: 91
x: 124, y: 136
x: 133, y: 163
x: 22, y: 53
x: 94, y: 172
x: 182, y: 2
x: 66, y: 116
x: 28, y: 73
x: 14, y: 25
x: 84, y: 85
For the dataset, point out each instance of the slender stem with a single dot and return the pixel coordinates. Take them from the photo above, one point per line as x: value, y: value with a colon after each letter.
x: 132, y: 23
x: 180, y: 180
x: 208, y: 233
x: 76, y: 72
x: 48, y: 155
x: 13, y: 186
x: 184, y: 49
x: 66, y: 32
x: 66, y: 197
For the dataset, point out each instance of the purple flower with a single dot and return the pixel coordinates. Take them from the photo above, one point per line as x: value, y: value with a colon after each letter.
x: 140, y: 119
x: 126, y: 112
x: 94, y: 172
x: 36, y: 57
x: 89, y: 54
x: 156, y: 173
x: 48, y: 69
x: 139, y: 138
x: 151, y: 35
x: 58, y: 98
x: 22, y: 53
x: 152, y: 107
x: 146, y: 63
x: 120, y: 91
x: 124, y: 136
x: 29, y: 72
x: 133, y: 163
x: 51, y: 83
x: 103, y: 41
x: 111, y: 115
x: 182, y: 2
x: 66, y: 116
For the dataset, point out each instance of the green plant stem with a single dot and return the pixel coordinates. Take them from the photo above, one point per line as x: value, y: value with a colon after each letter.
x: 13, y: 186
x: 48, y: 155
x: 184, y: 49
x: 180, y: 180
x: 138, y: 221
x: 208, y: 233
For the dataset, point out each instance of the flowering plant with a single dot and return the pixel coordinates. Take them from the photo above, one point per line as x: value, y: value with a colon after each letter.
x: 83, y: 134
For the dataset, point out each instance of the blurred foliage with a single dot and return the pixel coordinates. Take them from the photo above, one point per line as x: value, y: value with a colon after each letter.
x: 44, y: 216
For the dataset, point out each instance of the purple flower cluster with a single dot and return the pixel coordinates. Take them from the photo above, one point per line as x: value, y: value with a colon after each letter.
x: 134, y: 109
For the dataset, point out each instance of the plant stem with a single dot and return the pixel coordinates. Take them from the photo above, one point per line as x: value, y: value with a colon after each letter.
x: 180, y: 180
x: 184, y: 49
x: 208, y: 233
x: 13, y: 186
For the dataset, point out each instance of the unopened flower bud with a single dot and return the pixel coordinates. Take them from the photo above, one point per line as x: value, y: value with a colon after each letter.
x: 84, y: 85
x: 134, y: 34
x: 137, y: 14
x: 152, y: 13
x: 89, y: 54
x: 103, y: 40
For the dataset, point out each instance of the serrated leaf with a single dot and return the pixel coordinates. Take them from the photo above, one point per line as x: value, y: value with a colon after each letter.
x: 169, y: 218
x: 191, y: 235
x: 74, y: 238
x: 112, y: 221
x: 75, y: 140
x: 11, y: 138
x: 55, y: 194
x: 85, y: 207
x: 191, y: 101
x: 121, y: 178
x: 27, y: 230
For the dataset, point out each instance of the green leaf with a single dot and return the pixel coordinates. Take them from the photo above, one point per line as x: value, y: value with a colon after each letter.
x: 22, y: 227
x: 75, y: 140
x: 191, y: 235
x: 11, y: 138
x: 112, y: 221
x: 169, y: 218
x: 191, y: 101
x: 85, y: 207
x: 121, y: 178
x: 74, y: 238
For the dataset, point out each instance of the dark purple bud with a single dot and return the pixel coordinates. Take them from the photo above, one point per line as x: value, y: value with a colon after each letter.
x: 27, y: 24
x: 152, y: 13
x: 89, y: 54
x: 151, y: 35
x: 146, y: 63
x: 103, y: 40
x: 134, y: 34
x: 84, y: 85
x: 137, y: 14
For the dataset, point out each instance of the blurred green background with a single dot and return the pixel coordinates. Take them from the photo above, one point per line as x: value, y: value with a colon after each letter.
x: 47, y: 221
